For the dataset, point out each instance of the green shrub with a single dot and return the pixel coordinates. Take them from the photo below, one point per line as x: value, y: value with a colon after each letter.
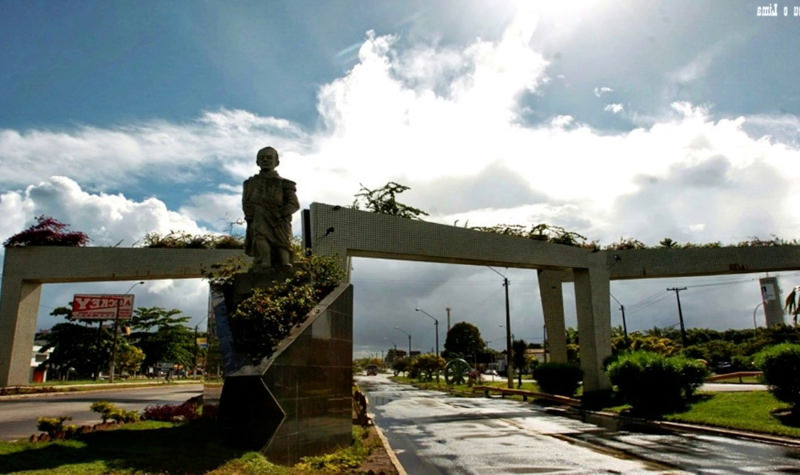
x: 54, y: 426
x: 261, y: 321
x: 108, y: 411
x: 558, y: 378
x: 653, y: 383
x: 781, y: 367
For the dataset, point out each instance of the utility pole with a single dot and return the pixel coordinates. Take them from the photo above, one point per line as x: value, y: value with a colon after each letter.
x: 113, y: 365
x: 544, y: 341
x: 196, y: 350
x: 510, y: 368
x: 448, y: 319
x: 677, y: 291
x: 622, y: 310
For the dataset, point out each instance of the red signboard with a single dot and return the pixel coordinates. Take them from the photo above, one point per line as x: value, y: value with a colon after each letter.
x: 102, y: 306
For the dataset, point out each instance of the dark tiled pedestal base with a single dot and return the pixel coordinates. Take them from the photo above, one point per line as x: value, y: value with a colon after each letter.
x: 298, y: 401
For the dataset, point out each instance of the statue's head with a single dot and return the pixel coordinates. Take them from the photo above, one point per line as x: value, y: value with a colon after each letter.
x: 267, y: 155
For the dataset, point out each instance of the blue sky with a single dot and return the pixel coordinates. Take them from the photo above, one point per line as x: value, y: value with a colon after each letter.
x: 642, y: 119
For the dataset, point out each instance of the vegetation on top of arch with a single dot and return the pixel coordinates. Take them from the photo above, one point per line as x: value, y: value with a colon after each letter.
x: 559, y: 235
x: 184, y: 240
x: 47, y: 232
x: 383, y: 200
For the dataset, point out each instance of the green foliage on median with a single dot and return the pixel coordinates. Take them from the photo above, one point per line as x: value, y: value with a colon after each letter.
x: 164, y: 447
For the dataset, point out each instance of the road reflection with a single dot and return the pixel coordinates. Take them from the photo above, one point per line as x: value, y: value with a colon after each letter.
x: 435, y: 433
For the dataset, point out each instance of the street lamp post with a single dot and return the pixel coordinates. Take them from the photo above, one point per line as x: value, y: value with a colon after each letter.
x: 409, y: 340
x: 510, y: 365
x: 755, y: 325
x: 436, y: 327
x: 113, y: 365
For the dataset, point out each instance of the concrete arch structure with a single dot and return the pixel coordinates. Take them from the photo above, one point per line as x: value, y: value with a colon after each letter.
x: 26, y: 269
x: 335, y: 230
x: 345, y: 232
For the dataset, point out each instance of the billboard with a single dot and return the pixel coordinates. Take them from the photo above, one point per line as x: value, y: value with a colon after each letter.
x: 102, y: 306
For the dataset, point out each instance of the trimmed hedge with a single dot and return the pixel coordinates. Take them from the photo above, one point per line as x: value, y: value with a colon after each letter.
x: 558, y: 378
x: 653, y: 383
x: 781, y: 367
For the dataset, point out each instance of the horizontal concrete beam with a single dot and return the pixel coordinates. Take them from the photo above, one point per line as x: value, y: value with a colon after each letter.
x: 27, y: 268
x: 50, y: 264
x: 659, y: 263
x: 348, y: 232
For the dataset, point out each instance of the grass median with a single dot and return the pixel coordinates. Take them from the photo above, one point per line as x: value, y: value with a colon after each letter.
x: 165, y: 448
x: 749, y: 411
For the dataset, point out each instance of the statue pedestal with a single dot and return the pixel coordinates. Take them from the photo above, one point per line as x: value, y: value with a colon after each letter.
x: 297, y: 401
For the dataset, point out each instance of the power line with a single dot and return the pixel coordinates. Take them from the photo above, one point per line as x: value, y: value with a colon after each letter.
x: 649, y: 300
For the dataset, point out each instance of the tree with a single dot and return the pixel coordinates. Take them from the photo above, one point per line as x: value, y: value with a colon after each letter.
x: 77, y: 347
x: 463, y: 341
x: 717, y: 353
x: 427, y: 365
x: 171, y: 341
x: 793, y: 303
x: 129, y: 358
x: 519, y: 358
x: 47, y: 232
x: 401, y: 365
x: 668, y: 243
x: 638, y: 341
x: 384, y: 201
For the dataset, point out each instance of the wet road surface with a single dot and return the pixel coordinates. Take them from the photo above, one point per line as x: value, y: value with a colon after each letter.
x: 432, y: 433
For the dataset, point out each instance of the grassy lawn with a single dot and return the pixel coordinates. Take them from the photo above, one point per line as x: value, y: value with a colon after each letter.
x: 463, y: 390
x: 751, y: 411
x: 159, y: 447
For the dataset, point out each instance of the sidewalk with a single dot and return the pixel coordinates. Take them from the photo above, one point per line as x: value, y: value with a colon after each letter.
x: 731, y: 387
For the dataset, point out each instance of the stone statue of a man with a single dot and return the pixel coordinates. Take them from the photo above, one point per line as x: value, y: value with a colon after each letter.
x: 268, y: 202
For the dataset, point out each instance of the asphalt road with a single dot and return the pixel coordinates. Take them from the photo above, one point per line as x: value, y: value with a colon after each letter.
x: 432, y: 433
x: 18, y: 415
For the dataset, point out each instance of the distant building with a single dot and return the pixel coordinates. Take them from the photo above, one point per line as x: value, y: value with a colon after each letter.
x: 38, y: 372
x: 394, y: 354
x: 538, y: 354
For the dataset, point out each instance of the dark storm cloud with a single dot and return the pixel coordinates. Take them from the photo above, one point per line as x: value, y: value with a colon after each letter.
x: 703, y: 203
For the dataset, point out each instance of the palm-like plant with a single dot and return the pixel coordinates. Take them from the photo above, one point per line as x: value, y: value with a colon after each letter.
x: 792, y: 303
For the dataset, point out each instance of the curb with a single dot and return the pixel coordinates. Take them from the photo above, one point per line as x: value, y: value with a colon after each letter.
x: 91, y: 388
x: 687, y: 427
x: 392, y: 456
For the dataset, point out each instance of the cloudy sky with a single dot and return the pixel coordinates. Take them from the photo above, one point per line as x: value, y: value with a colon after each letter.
x: 642, y: 119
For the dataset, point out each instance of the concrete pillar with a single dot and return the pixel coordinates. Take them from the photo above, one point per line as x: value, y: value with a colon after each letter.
x: 553, y: 308
x: 19, y: 310
x: 771, y: 297
x: 592, y: 293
